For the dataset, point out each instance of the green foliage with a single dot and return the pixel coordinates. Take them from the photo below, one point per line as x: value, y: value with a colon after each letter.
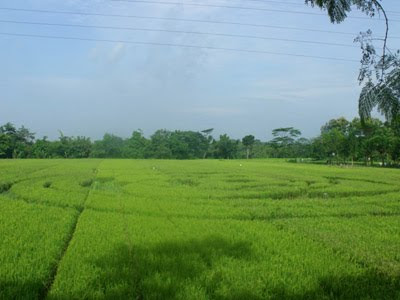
x: 42, y: 148
x: 187, y: 144
x: 207, y: 134
x: 201, y: 229
x: 15, y: 143
x: 135, y: 146
x: 225, y: 147
x: 86, y: 183
x: 381, y: 79
x: 285, y: 136
x: 383, y: 94
x: 110, y: 146
x: 5, y: 186
x: 248, y: 141
x: 47, y: 184
x: 363, y: 141
x: 340, y: 142
x: 379, y: 73
x: 159, y: 144
x: 287, y: 142
x: 338, y: 10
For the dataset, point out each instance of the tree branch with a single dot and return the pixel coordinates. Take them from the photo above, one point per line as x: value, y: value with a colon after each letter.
x: 380, y: 7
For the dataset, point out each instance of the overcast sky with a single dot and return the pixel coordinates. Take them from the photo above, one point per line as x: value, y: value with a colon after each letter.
x: 92, y: 87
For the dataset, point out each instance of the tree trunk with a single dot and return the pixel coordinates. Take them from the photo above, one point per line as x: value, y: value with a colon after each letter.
x: 248, y: 153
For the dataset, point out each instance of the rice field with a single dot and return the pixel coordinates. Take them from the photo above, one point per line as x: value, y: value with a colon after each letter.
x: 204, y: 229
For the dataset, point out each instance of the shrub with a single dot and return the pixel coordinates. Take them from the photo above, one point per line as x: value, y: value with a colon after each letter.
x: 5, y: 186
x: 310, y: 182
x: 47, y: 184
x: 333, y: 180
x: 86, y: 183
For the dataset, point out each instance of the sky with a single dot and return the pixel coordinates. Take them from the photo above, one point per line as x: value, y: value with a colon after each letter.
x: 111, y: 85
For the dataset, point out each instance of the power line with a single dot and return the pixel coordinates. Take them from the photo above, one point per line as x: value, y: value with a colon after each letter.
x: 178, y: 46
x: 241, y: 7
x: 179, y: 20
x: 293, y: 3
x: 181, y: 32
x: 272, y: 2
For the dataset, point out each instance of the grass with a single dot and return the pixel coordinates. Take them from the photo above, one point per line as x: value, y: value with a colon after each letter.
x: 258, y: 229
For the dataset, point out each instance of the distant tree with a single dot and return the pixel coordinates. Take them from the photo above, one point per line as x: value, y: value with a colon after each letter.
x: 65, y: 147
x: 186, y: 144
x: 317, y: 148
x: 340, y: 124
x: 343, y: 138
x: 9, y: 139
x: 225, y: 147
x: 248, y: 142
x: 208, y: 135
x: 395, y: 152
x: 369, y: 127
x: 159, y: 145
x: 358, y: 140
x: 198, y: 144
x: 262, y: 150
x: 339, y: 141
x: 285, y: 136
x: 4, y: 145
x: 62, y: 147
x: 335, y: 136
x: 354, y: 139
x: 110, y: 146
x: 81, y: 147
x: 15, y: 143
x: 178, y: 143
x: 283, y: 141
x: 302, y: 148
x: 333, y: 142
x: 381, y: 141
x: 136, y: 145
x: 42, y: 148
x: 207, y: 132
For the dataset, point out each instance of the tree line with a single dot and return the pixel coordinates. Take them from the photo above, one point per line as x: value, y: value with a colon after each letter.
x: 340, y: 141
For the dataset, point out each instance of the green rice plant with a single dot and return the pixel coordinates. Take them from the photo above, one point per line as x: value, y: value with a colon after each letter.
x: 202, y: 229
x: 32, y: 239
x: 370, y: 240
x: 179, y: 258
